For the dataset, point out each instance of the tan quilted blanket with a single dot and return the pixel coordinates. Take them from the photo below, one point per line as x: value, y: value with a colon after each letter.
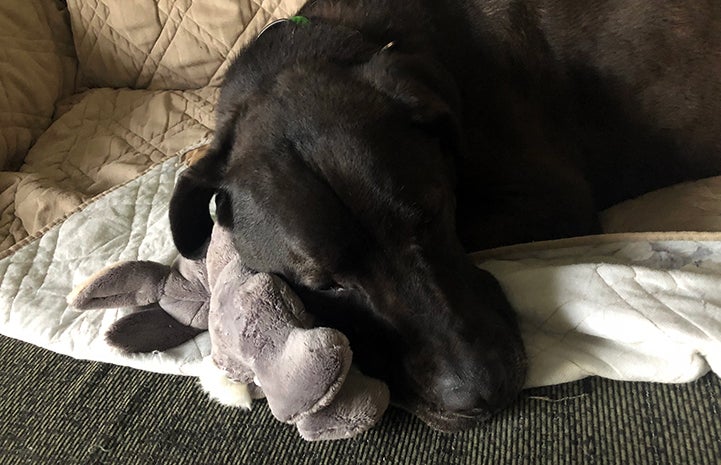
x: 94, y: 92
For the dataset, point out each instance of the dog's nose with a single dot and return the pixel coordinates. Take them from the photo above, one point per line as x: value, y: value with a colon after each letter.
x: 457, y: 395
x: 477, y: 385
x: 483, y: 391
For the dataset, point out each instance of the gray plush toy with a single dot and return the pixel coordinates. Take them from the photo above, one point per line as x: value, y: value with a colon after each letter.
x: 263, y: 341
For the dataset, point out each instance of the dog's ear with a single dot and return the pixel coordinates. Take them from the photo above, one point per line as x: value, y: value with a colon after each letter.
x: 190, y: 221
x: 189, y: 211
x: 421, y: 84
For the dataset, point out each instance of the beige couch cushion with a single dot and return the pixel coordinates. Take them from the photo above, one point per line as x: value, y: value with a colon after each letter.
x: 165, y: 44
x: 37, y: 67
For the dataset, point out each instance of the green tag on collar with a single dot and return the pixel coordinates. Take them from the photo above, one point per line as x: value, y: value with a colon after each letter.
x: 300, y: 20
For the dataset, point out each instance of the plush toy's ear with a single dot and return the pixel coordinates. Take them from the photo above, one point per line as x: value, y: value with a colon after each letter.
x: 124, y: 284
x: 424, y: 86
x: 149, y: 330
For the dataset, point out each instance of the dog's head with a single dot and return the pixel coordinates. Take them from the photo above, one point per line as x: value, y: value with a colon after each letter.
x: 339, y: 177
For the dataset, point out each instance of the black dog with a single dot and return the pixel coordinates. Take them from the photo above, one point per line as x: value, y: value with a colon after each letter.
x: 361, y: 150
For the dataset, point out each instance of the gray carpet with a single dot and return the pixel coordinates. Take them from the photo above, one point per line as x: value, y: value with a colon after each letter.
x: 56, y: 410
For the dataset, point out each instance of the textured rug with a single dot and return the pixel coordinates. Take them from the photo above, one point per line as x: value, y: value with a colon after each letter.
x: 57, y: 410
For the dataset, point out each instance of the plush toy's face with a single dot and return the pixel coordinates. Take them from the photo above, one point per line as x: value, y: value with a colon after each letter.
x: 349, y: 196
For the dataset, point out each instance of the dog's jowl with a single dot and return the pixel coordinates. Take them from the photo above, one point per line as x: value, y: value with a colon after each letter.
x: 362, y: 152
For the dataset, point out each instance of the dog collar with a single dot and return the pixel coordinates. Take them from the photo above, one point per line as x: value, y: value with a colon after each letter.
x: 303, y: 21
x: 299, y: 20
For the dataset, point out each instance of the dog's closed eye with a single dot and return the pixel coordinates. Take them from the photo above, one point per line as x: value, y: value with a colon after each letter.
x: 321, y: 281
x: 331, y: 286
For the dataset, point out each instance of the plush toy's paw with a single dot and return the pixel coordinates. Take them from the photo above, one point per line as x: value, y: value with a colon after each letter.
x: 307, y: 375
x: 222, y: 389
x: 148, y: 330
x: 355, y: 409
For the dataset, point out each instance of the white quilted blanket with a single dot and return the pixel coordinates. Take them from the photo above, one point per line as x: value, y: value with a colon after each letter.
x: 628, y: 307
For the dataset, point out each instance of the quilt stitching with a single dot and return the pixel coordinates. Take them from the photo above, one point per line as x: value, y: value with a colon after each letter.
x: 31, y: 239
x: 85, y: 37
x: 4, y: 89
x: 149, y: 54
x: 152, y: 143
x: 676, y: 313
x: 226, y: 49
x: 220, y: 47
x: 610, y: 287
x: 170, y: 18
x: 195, y: 115
x: 116, y: 118
x: 223, y: 66
x: 113, y: 35
x: 198, y: 104
x: 197, y: 100
x: 160, y: 74
x: 21, y: 113
x: 148, y: 147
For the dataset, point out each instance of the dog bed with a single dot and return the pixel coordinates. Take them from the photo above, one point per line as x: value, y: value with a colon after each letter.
x: 640, y: 307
